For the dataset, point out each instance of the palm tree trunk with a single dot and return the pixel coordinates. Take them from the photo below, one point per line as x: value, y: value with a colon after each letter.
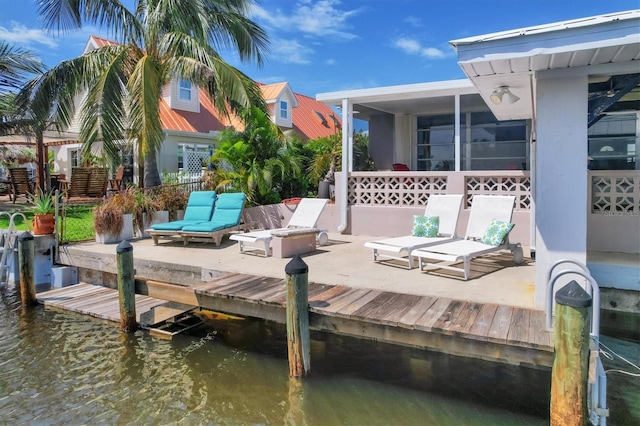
x: 151, y: 174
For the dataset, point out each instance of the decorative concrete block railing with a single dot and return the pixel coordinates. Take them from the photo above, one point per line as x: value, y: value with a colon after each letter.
x: 615, y: 192
x: 414, y: 188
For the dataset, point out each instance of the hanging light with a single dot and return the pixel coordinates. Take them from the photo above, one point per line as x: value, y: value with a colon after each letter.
x: 503, y: 94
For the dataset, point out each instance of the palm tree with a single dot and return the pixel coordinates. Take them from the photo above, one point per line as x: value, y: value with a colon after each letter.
x: 256, y: 160
x: 157, y: 41
x: 15, y: 66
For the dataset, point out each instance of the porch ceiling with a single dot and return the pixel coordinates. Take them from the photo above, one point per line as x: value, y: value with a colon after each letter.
x: 510, y: 58
x: 404, y: 99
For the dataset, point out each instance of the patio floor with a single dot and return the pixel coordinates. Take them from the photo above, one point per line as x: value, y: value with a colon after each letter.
x: 345, y: 261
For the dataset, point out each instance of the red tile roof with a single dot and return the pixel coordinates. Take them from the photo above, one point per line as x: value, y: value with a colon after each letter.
x: 313, y: 119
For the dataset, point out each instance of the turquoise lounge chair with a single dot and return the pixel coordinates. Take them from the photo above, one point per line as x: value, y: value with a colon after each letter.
x: 227, y: 216
x: 199, y: 209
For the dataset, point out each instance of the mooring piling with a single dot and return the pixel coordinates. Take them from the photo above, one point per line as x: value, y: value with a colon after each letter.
x: 298, y: 338
x: 569, y: 373
x: 26, y: 256
x: 126, y: 286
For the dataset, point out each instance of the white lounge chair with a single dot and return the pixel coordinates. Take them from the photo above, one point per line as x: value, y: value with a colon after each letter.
x: 305, y: 216
x: 445, y: 207
x: 484, y: 210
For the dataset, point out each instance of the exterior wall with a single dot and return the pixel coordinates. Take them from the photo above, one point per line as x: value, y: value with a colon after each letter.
x: 275, y: 113
x: 168, y: 155
x: 381, y: 140
x: 174, y: 100
x: 614, y: 211
x: 561, y: 174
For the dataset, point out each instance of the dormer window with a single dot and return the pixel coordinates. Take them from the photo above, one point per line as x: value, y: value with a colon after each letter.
x: 284, y: 112
x: 184, y: 92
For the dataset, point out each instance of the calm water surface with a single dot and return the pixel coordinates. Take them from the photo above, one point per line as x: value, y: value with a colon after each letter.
x: 64, y: 368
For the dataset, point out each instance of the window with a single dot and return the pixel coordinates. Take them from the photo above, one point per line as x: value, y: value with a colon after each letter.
x: 184, y: 91
x: 489, y: 144
x: 74, y: 157
x: 485, y: 143
x: 284, y: 113
x: 436, y: 143
x: 613, y: 142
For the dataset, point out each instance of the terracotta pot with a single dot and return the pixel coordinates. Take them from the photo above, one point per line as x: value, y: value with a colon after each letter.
x: 43, y: 224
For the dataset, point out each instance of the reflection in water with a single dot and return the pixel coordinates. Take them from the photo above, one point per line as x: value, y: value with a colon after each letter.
x: 64, y: 368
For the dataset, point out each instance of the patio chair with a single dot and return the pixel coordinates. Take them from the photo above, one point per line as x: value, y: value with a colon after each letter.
x: 97, y: 183
x: 79, y: 182
x: 199, y: 209
x: 226, y: 218
x: 305, y: 216
x: 115, y: 183
x: 487, y: 232
x: 19, y: 182
x: 446, y: 208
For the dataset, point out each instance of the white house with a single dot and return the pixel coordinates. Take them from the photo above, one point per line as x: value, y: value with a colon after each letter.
x: 548, y: 113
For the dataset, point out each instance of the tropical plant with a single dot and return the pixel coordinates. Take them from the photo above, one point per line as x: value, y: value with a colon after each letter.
x: 43, y: 202
x: 256, y: 160
x: 156, y: 41
x: 15, y: 66
x: 170, y: 198
x: 327, y: 156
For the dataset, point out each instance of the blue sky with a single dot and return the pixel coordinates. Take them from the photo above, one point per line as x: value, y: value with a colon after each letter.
x: 331, y: 45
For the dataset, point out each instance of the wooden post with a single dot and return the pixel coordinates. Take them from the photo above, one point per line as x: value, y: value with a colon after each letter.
x: 298, y: 339
x: 571, y: 362
x: 126, y: 286
x: 26, y: 256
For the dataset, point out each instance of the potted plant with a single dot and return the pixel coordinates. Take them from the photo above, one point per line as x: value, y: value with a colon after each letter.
x: 172, y: 199
x: 43, y: 222
x: 113, y: 219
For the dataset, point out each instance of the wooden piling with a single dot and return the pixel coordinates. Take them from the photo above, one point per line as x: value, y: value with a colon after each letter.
x: 126, y: 286
x: 298, y: 339
x: 26, y: 259
x: 571, y: 362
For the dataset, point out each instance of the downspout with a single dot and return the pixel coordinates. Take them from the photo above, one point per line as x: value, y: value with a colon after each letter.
x: 347, y: 117
x: 532, y: 172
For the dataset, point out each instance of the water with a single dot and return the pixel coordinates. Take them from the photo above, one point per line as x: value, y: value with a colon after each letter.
x: 65, y: 368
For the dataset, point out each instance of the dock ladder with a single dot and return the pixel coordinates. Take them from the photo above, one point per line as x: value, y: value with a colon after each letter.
x: 9, y: 245
x: 597, y: 391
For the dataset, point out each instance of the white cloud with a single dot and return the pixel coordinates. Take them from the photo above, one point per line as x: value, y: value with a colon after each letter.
x: 330, y: 62
x: 290, y: 51
x: 414, y: 21
x: 413, y: 47
x: 314, y: 18
x: 19, y: 34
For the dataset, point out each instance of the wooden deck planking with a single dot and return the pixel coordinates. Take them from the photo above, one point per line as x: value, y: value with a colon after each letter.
x: 462, y: 321
x: 96, y: 301
x: 372, y: 310
x: 499, y: 329
x: 348, y: 310
x: 399, y: 307
x: 244, y: 290
x: 481, y: 326
x: 343, y: 300
x: 267, y: 287
x: 519, y: 327
x: 443, y: 323
x: 429, y: 318
x: 416, y: 311
x: 538, y: 333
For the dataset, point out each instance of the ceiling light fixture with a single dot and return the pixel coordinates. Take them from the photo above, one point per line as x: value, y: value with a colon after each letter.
x: 503, y: 94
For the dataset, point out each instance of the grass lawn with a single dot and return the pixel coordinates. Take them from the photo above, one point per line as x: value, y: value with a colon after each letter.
x: 76, y: 223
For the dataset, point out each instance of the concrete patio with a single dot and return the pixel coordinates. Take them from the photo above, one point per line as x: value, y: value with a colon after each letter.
x: 344, y: 261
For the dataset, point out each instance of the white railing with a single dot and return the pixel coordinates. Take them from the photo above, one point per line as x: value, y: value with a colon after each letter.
x: 182, y: 177
x: 615, y: 191
x: 414, y: 188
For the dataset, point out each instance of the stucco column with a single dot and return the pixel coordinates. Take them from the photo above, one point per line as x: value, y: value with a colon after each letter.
x: 561, y: 174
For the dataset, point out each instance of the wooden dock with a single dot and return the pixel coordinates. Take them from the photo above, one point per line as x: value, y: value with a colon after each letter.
x: 491, y: 332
